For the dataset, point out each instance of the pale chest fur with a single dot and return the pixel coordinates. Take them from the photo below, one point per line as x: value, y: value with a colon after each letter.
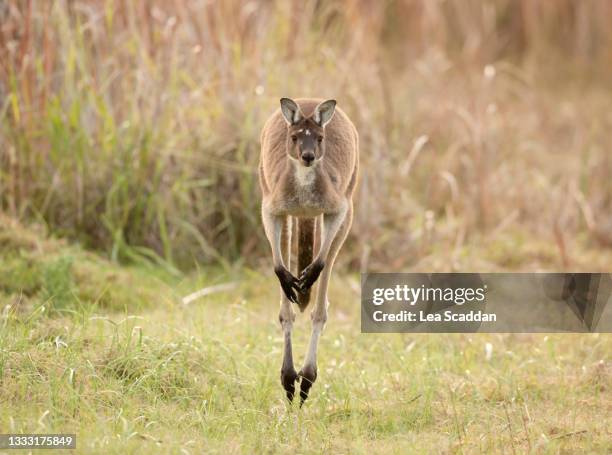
x: 306, y: 195
x: 305, y: 192
x: 304, y: 176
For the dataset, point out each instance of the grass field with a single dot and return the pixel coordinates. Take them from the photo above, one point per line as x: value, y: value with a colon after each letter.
x: 111, y: 353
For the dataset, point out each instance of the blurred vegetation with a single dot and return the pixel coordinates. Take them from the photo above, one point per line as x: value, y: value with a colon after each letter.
x: 133, y: 127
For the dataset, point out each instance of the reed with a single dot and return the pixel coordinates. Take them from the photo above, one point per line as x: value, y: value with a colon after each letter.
x: 133, y: 127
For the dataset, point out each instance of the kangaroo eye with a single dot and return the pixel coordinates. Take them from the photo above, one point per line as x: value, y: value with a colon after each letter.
x: 320, y: 139
x: 294, y: 138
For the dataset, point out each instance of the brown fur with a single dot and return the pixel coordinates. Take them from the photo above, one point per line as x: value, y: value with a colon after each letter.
x: 333, y: 182
x: 335, y: 174
x: 308, y: 171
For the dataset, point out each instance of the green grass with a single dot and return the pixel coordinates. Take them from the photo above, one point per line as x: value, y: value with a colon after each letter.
x: 118, y: 359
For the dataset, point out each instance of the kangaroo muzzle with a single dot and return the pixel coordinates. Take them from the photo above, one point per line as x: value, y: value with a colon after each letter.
x: 307, y: 157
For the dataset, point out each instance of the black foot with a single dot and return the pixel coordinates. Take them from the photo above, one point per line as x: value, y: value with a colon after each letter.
x: 288, y: 378
x: 288, y: 282
x: 310, y: 274
x: 309, y: 376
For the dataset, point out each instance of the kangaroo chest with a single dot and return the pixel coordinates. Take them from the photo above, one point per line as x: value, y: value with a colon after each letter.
x: 304, y: 178
x: 308, y: 192
x: 307, y: 189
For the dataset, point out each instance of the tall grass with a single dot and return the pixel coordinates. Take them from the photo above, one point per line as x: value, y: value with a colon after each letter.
x: 133, y: 126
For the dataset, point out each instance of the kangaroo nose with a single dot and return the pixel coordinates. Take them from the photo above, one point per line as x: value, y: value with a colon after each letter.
x: 308, y: 157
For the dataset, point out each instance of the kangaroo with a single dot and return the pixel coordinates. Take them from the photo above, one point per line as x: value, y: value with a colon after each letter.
x: 308, y: 173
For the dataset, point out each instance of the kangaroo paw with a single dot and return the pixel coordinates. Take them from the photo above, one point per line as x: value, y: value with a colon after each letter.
x: 288, y: 378
x: 288, y: 282
x: 309, y: 376
x: 310, y: 274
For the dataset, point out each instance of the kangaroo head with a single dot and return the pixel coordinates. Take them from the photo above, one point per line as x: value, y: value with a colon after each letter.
x: 306, y: 135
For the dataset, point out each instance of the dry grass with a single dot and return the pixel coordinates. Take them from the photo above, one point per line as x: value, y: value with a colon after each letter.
x: 133, y: 126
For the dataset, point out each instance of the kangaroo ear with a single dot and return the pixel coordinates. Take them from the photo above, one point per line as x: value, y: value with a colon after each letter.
x: 291, y: 111
x: 324, y: 112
